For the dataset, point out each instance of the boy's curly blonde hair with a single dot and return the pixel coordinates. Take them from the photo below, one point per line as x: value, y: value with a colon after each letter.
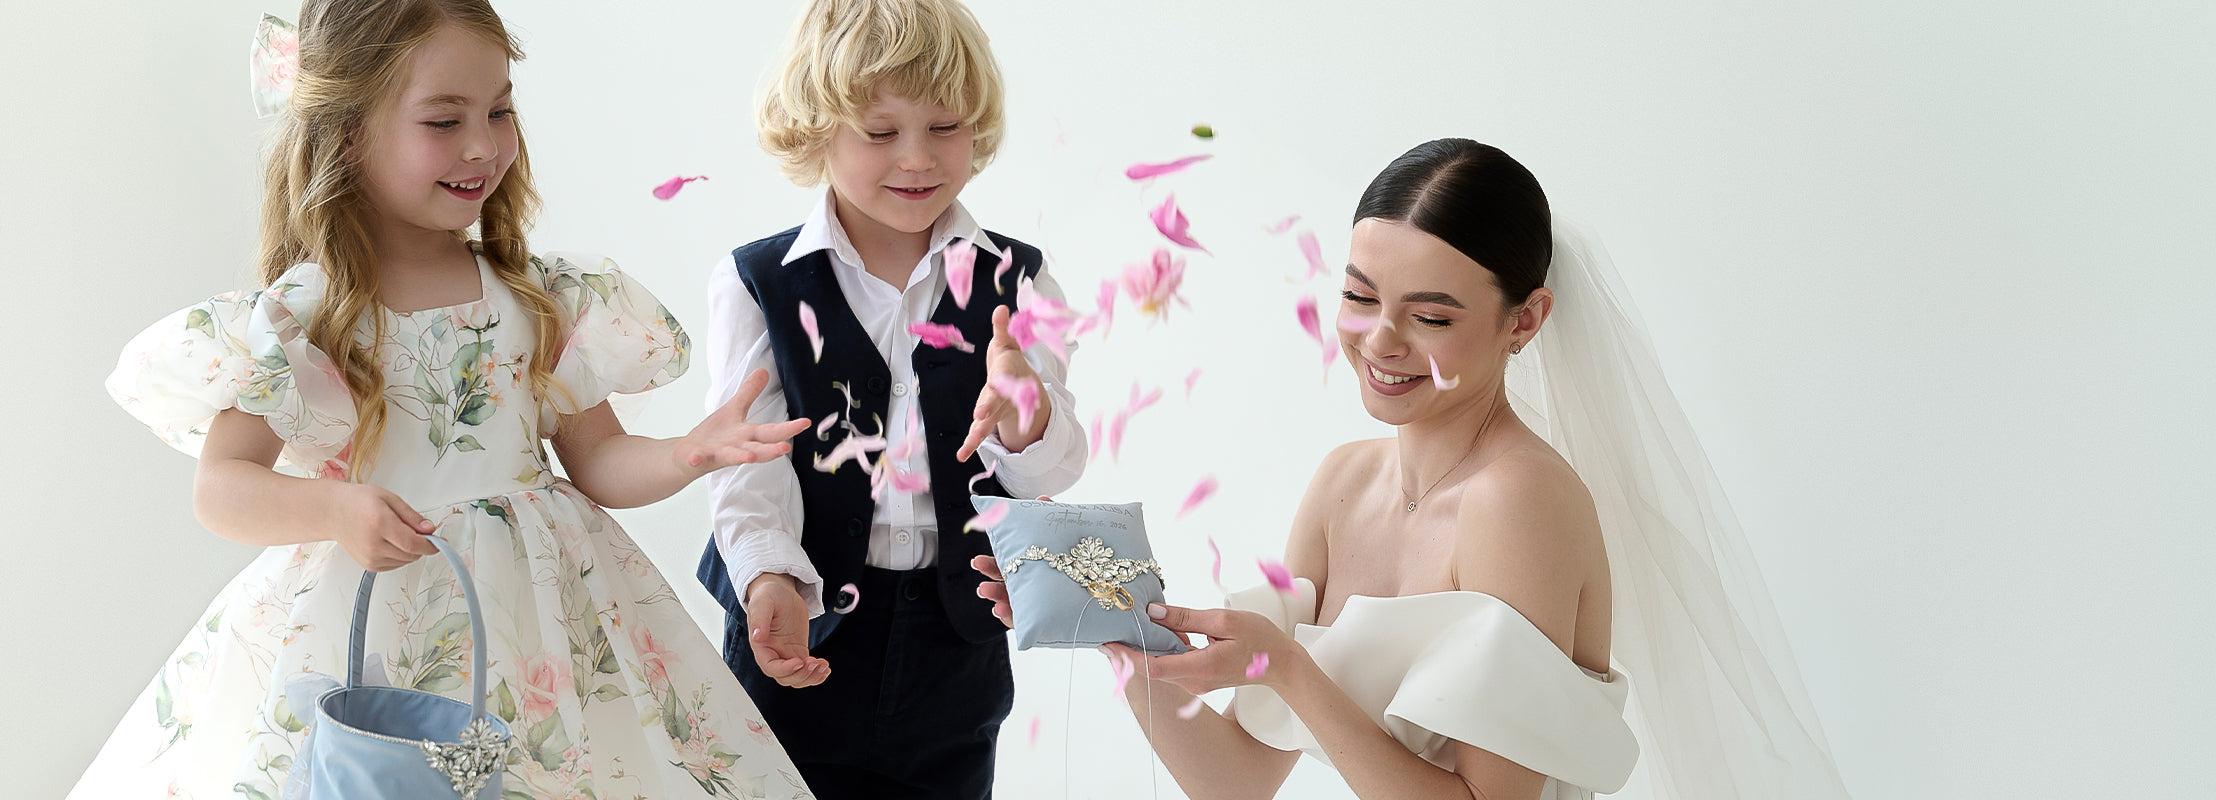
x: 927, y: 51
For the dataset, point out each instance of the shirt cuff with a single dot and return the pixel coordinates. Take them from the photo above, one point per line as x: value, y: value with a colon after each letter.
x: 758, y: 553
x: 1050, y: 465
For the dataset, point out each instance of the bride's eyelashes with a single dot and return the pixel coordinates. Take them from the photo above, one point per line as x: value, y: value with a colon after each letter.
x: 1364, y: 300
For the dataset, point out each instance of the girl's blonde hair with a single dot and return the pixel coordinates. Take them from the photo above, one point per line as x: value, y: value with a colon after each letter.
x: 928, y: 51
x: 354, y: 59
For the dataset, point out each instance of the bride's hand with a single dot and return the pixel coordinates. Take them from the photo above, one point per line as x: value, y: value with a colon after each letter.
x: 1244, y: 649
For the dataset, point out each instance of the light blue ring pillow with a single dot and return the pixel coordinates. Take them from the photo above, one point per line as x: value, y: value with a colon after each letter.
x: 1078, y: 575
x: 387, y: 743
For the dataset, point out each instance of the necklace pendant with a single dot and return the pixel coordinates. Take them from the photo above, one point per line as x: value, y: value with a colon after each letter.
x: 1411, y: 505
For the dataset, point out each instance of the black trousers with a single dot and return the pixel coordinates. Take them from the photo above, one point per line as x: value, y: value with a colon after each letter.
x: 910, y: 710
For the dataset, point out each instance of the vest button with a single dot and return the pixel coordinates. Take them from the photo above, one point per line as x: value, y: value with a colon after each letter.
x: 876, y: 385
x: 855, y: 526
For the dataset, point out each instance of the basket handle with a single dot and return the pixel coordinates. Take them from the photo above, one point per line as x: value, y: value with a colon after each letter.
x: 476, y: 628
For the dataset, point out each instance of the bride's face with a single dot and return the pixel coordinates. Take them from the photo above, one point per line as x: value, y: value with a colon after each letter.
x: 1412, y: 301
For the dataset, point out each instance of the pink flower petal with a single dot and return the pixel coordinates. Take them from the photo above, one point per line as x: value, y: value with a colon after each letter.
x: 1282, y: 225
x: 1042, y: 319
x: 669, y: 188
x: 1200, y: 492
x: 824, y: 428
x: 1356, y: 325
x: 1121, y: 669
x: 1140, y: 172
x: 1312, y: 251
x: 1023, y: 392
x: 1190, y: 379
x: 1260, y: 665
x: 854, y: 448
x: 986, y: 520
x: 1275, y: 572
x: 1092, y: 437
x: 1305, y: 310
x: 961, y: 271
x: 1104, y: 311
x: 1192, y: 709
x: 1445, y: 384
x: 1153, y: 284
x: 941, y: 336
x: 980, y: 477
x: 808, y: 324
x: 854, y: 599
x: 1215, y: 565
x: 1032, y: 739
x: 1173, y: 224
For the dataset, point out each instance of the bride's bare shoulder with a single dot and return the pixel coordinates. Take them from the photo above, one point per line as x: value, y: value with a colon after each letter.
x: 1527, y: 533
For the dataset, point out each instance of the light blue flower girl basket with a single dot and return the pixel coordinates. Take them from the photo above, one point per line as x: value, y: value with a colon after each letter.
x: 388, y: 743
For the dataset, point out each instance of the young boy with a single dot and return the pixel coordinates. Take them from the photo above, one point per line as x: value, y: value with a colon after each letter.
x: 900, y: 691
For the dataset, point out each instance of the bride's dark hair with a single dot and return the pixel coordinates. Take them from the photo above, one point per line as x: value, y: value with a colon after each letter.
x: 1476, y: 199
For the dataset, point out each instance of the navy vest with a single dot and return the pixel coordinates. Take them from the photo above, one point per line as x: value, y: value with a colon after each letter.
x: 836, y: 507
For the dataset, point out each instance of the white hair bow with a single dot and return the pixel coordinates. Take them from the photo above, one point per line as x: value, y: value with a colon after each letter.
x: 275, y: 63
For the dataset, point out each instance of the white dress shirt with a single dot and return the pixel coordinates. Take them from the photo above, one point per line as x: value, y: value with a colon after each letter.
x: 756, y: 507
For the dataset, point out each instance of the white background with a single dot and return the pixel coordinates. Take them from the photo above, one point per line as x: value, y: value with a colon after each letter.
x: 1932, y: 281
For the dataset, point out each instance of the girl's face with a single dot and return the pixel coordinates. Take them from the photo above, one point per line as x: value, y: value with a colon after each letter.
x: 440, y: 148
x: 1411, y: 300
x: 902, y: 169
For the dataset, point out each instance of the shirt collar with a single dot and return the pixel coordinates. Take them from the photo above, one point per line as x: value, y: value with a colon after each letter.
x: 823, y: 232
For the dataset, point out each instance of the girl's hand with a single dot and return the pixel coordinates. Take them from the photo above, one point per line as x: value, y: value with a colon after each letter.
x: 995, y: 587
x: 1235, y: 638
x: 725, y: 438
x: 1005, y: 365
x: 378, y: 529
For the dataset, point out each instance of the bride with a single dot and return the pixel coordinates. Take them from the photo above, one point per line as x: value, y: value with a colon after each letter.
x: 1461, y: 589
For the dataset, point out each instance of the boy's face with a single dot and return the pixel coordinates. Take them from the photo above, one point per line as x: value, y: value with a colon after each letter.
x: 901, y: 170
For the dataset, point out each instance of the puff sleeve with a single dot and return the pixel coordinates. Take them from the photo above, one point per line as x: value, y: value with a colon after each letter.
x: 618, y: 337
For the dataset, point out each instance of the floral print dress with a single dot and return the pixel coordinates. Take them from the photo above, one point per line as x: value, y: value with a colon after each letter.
x: 608, y: 684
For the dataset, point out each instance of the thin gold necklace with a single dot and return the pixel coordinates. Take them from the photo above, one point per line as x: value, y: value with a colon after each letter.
x: 1489, y: 411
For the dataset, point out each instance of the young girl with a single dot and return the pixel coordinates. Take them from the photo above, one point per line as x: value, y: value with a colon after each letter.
x: 409, y: 374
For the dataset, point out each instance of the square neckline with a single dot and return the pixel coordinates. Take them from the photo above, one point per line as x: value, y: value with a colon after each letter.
x: 484, y: 289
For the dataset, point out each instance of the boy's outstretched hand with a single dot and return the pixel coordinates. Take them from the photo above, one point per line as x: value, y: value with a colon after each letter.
x: 1014, y: 400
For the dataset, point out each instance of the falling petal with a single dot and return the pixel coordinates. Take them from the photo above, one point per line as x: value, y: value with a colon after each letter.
x: 961, y: 271
x: 824, y: 428
x: 1190, y: 379
x: 1312, y: 251
x: 1204, y: 132
x: 1114, y: 436
x: 852, y: 447
x: 851, y: 594
x: 1282, y: 225
x: 1104, y: 311
x: 1092, y: 437
x: 1275, y: 572
x: 1215, y: 565
x: 1445, y: 384
x: 979, y: 477
x: 669, y: 188
x: 1153, y: 284
x: 808, y: 324
x: 1200, y: 492
x: 1192, y: 709
x: 1356, y: 325
x: 1023, y: 392
x: 1042, y: 320
x: 1032, y: 739
x: 1260, y: 664
x: 1174, y: 226
x: 941, y: 336
x: 1305, y: 310
x: 1140, y: 172
x: 1121, y: 669
x: 986, y: 520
